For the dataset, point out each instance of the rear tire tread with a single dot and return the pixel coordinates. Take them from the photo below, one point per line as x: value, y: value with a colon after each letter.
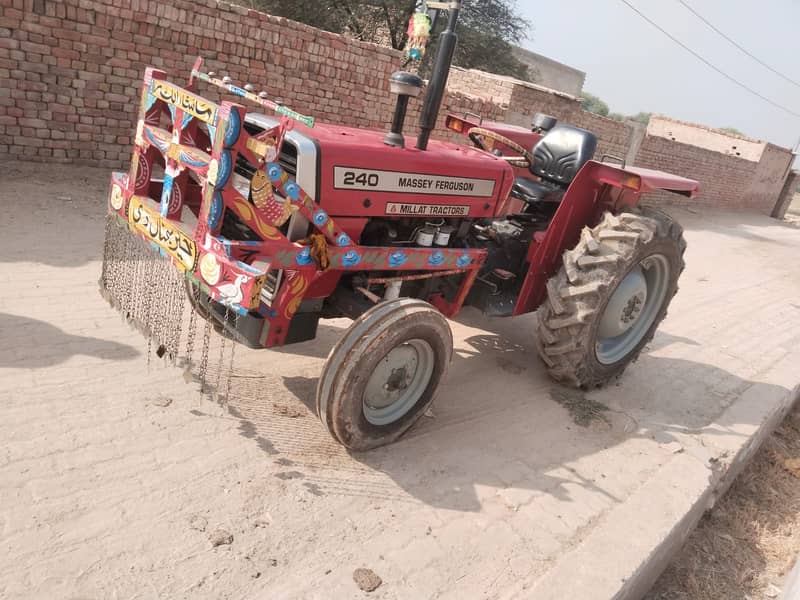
x: 576, y: 293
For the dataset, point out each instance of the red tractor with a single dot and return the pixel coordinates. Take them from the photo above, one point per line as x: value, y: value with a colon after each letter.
x: 276, y: 222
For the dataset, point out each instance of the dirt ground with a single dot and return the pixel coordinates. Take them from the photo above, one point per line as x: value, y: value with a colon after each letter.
x: 745, y: 546
x: 119, y: 481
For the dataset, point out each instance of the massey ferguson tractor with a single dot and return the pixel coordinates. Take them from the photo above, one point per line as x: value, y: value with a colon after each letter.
x: 267, y: 224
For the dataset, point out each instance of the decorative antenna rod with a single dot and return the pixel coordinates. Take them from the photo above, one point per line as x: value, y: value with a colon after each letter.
x: 248, y: 93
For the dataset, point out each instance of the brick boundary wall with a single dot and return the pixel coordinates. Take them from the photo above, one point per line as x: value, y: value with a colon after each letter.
x: 726, y: 181
x: 723, y: 178
x: 70, y: 73
x: 787, y: 195
x: 71, y: 70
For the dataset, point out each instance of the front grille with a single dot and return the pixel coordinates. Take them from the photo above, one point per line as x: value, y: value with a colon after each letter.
x: 287, y: 157
x: 271, y: 285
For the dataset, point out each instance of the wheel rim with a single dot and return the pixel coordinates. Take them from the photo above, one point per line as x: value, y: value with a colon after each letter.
x: 632, y: 309
x: 398, y: 381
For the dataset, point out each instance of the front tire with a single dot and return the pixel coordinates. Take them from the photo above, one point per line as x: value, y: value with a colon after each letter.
x: 610, y: 295
x: 383, y: 374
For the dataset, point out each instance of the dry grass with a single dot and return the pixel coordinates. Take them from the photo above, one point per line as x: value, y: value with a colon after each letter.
x: 744, y: 547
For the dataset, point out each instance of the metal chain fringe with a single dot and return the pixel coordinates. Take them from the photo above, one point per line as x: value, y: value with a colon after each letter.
x: 150, y: 294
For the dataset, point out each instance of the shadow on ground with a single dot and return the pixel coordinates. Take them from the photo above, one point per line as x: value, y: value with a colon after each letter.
x: 498, y: 423
x: 53, y: 346
x: 62, y: 224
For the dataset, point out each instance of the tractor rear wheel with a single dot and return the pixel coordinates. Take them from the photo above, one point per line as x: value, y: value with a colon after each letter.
x: 383, y: 374
x: 610, y: 295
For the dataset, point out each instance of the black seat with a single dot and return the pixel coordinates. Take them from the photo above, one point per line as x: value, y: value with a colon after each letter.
x: 557, y: 158
x: 561, y: 153
x: 529, y: 190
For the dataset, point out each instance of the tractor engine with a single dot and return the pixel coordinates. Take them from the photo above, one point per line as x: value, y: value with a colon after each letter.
x: 387, y: 195
x: 506, y: 241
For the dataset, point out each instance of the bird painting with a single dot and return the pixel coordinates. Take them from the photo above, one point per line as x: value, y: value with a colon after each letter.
x: 231, y: 293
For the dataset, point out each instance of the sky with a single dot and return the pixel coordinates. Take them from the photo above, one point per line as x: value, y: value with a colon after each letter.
x: 633, y: 67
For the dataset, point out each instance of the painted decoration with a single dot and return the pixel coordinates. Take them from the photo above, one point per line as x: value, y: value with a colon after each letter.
x: 187, y: 101
x: 233, y: 129
x: 215, y: 211
x: 210, y: 269
x: 397, y: 259
x: 463, y: 261
x: 197, y: 151
x: 304, y: 257
x: 162, y: 233
x: 231, y: 293
x: 261, y: 189
x: 116, y: 198
x: 436, y: 259
x: 351, y: 258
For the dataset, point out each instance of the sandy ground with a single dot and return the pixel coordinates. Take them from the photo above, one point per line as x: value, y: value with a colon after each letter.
x: 745, y: 547
x: 113, y: 476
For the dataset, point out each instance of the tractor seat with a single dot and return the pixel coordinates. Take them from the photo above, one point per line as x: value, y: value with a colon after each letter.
x: 557, y: 158
x: 531, y: 191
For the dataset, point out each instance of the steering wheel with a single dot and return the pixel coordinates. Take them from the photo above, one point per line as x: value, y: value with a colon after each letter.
x: 478, y: 134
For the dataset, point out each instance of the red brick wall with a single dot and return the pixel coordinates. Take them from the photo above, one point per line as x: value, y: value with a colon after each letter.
x: 613, y: 136
x: 70, y: 73
x: 523, y: 100
x: 70, y: 70
x: 527, y: 101
x: 723, y: 179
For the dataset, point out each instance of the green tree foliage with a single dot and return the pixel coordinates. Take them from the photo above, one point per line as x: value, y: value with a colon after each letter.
x: 487, y: 28
x: 593, y: 104
x: 732, y: 130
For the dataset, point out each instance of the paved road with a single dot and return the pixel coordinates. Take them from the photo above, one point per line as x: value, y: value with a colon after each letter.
x: 105, y: 492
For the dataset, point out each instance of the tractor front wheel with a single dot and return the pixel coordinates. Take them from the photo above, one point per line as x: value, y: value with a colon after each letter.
x: 383, y: 374
x: 610, y: 295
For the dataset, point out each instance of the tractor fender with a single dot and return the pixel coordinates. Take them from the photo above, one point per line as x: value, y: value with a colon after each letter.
x: 597, y: 188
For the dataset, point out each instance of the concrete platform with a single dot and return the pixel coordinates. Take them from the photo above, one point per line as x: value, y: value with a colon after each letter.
x: 513, y: 488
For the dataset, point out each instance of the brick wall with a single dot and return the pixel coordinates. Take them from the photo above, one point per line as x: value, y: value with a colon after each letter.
x: 787, y: 195
x: 70, y: 70
x: 768, y: 180
x: 523, y: 99
x: 722, y: 178
x: 733, y: 171
x: 470, y: 82
x: 614, y: 137
x: 70, y: 73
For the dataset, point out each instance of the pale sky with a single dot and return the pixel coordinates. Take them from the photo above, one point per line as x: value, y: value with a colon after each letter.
x: 634, y: 67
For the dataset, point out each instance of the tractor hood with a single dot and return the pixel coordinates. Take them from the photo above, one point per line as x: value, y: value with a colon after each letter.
x: 360, y: 176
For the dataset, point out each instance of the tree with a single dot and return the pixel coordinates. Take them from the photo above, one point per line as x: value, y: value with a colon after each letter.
x: 487, y: 28
x: 593, y: 104
x: 642, y: 117
x: 731, y: 130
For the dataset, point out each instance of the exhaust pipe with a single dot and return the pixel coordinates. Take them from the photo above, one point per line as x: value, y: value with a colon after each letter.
x: 441, y: 70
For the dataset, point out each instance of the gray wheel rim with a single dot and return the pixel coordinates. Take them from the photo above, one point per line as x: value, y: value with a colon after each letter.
x: 398, y: 381
x: 632, y: 309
